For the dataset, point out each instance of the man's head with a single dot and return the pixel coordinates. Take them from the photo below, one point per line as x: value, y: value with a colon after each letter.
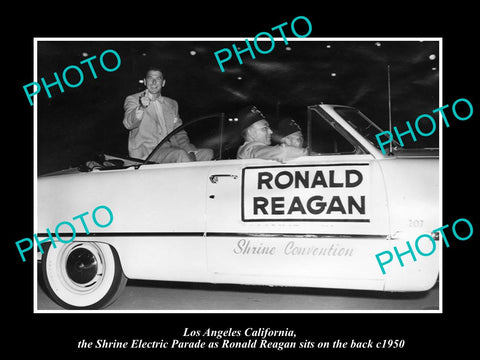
x: 289, y: 132
x: 259, y: 131
x: 254, y: 126
x: 154, y: 80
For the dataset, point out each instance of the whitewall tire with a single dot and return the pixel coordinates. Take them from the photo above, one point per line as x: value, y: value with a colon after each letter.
x: 83, y: 275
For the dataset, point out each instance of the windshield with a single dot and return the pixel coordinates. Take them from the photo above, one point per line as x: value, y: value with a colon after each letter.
x: 223, y: 135
x: 366, y: 127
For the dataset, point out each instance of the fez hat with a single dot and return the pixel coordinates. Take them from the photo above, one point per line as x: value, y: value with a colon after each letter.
x: 248, y: 116
x: 287, y: 126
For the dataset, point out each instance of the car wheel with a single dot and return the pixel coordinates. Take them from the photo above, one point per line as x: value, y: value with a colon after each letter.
x: 83, y: 275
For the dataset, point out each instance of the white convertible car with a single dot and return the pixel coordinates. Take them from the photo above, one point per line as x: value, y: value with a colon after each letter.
x: 316, y: 221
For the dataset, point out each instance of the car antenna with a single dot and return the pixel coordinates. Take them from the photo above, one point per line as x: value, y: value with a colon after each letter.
x: 389, y: 107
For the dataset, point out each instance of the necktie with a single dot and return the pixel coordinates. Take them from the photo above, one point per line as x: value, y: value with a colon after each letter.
x: 161, y: 119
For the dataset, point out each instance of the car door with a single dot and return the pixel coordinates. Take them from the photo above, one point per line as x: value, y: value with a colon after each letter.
x: 313, y: 221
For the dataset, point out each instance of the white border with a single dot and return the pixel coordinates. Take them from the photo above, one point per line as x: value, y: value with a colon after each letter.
x: 140, y: 39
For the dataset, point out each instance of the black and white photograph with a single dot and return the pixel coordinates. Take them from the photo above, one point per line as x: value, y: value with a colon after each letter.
x: 264, y: 173
x: 266, y: 183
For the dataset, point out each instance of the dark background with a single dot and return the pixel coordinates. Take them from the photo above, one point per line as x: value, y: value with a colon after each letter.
x: 82, y: 121
x: 56, y: 335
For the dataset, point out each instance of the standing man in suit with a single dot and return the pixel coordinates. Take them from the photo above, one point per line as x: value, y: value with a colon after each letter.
x: 150, y: 117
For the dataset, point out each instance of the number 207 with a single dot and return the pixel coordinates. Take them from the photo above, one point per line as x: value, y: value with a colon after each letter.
x: 415, y: 223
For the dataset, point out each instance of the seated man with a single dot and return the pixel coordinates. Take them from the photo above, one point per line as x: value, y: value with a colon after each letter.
x: 289, y: 132
x: 150, y: 117
x: 257, y: 135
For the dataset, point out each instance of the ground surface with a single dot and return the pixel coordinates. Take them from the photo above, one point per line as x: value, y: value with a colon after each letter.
x: 153, y: 295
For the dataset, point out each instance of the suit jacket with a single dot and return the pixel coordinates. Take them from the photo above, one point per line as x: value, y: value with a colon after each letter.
x: 147, y: 132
